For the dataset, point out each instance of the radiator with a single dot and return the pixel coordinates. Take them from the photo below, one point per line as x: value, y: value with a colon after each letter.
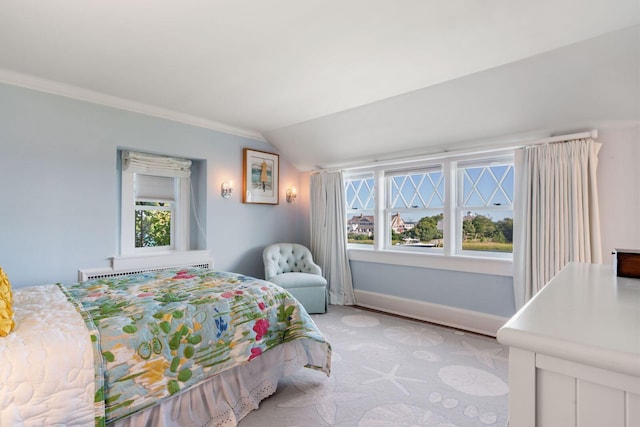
x: 102, y: 273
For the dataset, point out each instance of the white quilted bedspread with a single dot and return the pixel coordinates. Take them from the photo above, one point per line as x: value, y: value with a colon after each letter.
x: 46, y: 368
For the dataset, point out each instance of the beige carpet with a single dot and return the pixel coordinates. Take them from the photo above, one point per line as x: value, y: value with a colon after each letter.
x: 389, y: 371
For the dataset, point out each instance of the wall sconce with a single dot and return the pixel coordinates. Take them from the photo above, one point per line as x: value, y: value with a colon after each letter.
x: 226, y: 189
x: 291, y: 195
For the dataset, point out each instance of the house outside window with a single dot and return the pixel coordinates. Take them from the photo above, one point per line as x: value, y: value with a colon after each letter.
x: 414, y: 207
x: 451, y: 206
x: 360, y: 202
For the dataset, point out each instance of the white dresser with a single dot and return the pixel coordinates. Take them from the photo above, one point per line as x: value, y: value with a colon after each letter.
x: 574, y: 357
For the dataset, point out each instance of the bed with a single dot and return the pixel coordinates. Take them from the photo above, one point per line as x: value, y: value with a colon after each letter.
x: 187, y: 347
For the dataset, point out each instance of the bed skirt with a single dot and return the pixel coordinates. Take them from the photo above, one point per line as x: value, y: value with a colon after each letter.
x: 228, y: 397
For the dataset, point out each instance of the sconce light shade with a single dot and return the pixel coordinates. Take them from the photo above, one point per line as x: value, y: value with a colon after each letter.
x: 291, y: 195
x: 226, y: 188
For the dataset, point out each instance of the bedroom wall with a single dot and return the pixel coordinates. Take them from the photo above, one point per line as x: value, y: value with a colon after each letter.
x: 619, y: 188
x: 59, y: 199
x: 59, y: 187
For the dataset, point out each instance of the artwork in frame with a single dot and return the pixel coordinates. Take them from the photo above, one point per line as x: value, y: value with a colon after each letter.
x: 260, y: 178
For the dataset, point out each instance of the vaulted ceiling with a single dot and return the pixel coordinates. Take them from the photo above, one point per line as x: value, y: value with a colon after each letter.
x: 329, y: 82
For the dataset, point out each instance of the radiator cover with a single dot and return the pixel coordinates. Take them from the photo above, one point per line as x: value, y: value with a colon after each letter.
x: 121, y: 266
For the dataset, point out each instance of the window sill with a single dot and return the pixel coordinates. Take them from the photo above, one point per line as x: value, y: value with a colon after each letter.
x: 156, y: 259
x: 469, y: 264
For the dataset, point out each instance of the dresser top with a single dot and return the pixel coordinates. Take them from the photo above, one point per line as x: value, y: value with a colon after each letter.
x: 585, y: 314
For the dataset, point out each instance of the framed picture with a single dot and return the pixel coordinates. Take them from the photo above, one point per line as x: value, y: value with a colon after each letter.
x: 260, y: 177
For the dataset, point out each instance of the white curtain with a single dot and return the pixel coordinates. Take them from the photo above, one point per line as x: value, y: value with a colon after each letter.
x: 556, y: 212
x: 329, y: 235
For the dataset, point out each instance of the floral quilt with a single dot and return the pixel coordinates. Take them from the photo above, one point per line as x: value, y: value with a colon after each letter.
x: 156, y: 334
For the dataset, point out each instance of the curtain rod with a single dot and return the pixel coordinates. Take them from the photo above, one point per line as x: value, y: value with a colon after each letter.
x: 461, y: 152
x: 561, y: 138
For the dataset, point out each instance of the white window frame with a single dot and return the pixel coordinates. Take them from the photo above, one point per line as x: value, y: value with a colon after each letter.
x: 170, y: 207
x: 453, y: 257
x: 180, y: 232
x: 354, y: 212
x: 460, y: 210
x: 389, y: 174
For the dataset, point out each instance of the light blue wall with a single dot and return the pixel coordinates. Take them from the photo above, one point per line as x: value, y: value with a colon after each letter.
x: 477, y: 292
x: 59, y: 199
x: 59, y: 192
x: 59, y: 187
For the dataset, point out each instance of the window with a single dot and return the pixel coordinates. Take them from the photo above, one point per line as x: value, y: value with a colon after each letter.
x: 154, y: 208
x: 155, y: 203
x: 414, y: 209
x: 461, y: 205
x: 360, y: 198
x: 484, y: 207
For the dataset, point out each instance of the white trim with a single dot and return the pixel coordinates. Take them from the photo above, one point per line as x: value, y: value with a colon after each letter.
x: 450, y: 221
x: 473, y: 321
x: 379, y: 226
x: 465, y: 263
x: 75, y: 92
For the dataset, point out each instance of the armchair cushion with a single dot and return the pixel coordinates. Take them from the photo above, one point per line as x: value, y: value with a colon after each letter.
x: 298, y: 280
x: 288, y: 258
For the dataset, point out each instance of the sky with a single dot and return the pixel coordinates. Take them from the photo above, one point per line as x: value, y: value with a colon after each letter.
x: 483, y: 188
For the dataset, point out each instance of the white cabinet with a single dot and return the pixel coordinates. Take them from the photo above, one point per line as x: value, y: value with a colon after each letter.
x: 574, y: 357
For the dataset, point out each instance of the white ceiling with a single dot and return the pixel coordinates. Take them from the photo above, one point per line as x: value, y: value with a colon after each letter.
x: 311, y: 77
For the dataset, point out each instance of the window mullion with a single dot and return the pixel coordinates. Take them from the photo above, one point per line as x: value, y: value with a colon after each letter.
x: 381, y: 226
x: 450, y: 215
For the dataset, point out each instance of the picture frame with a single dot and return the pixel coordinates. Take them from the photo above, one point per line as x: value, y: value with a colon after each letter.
x: 260, y: 177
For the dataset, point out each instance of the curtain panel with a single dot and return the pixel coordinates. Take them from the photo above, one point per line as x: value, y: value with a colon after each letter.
x: 556, y: 212
x: 329, y: 235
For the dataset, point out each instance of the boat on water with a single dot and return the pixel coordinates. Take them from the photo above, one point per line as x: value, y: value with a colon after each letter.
x: 415, y: 242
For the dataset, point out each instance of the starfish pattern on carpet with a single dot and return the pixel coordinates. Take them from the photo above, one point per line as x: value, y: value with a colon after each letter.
x: 485, y: 356
x: 324, y: 398
x: 392, y: 378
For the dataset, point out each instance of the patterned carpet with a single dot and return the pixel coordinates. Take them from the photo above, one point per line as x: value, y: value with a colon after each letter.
x: 389, y: 371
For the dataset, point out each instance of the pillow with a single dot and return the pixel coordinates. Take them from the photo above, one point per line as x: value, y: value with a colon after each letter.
x: 6, y: 310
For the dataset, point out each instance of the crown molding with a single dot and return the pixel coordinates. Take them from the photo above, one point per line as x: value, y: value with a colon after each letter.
x: 81, y: 94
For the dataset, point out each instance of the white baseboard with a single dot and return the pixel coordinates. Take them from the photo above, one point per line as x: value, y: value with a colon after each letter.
x: 473, y: 321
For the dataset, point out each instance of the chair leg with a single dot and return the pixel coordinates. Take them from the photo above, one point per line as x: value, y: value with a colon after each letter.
x: 326, y: 300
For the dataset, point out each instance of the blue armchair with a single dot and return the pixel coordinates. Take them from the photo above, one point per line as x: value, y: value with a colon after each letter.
x: 291, y: 266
